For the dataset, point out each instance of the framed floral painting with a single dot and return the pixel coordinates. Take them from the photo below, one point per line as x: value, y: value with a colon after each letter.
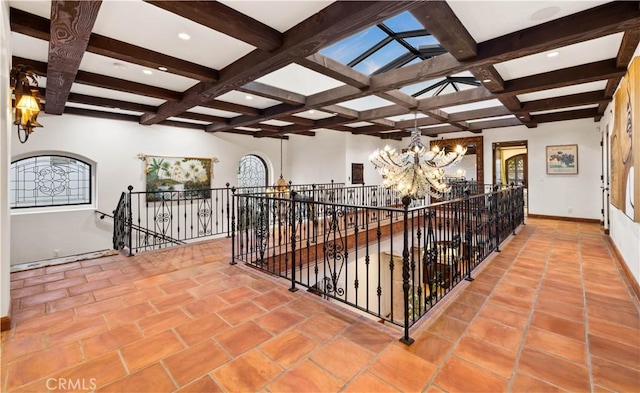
x: 182, y: 177
x: 562, y: 160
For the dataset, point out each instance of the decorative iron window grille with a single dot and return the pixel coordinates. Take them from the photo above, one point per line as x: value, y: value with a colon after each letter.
x: 49, y: 181
x: 252, y: 172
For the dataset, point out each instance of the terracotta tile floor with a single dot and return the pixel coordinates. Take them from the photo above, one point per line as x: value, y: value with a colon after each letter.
x: 549, y: 313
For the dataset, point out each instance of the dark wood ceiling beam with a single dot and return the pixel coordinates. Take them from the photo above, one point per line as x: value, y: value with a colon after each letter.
x: 331, y: 24
x: 336, y: 70
x: 597, y: 22
x: 303, y: 121
x: 489, y: 77
x: 249, y: 121
x: 225, y: 19
x: 91, y: 79
x: 125, y: 117
x: 439, y: 20
x: 630, y: 41
x: 385, y: 111
x: 39, y: 27
x: 591, y: 97
x: 274, y: 93
x: 341, y: 110
x: 109, y: 103
x: 511, y: 102
x: 334, y: 96
x: 71, y: 25
x: 269, y: 127
x: 482, y: 125
x: 372, y: 129
x: 399, y: 98
x: 565, y: 115
x: 202, y: 117
x: 457, y: 98
x: 591, y: 72
x: 231, y: 107
x: 483, y: 113
x: 107, y: 82
x: 612, y: 85
x: 421, y: 121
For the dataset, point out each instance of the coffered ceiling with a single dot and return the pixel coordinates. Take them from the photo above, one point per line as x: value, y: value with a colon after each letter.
x: 275, y: 68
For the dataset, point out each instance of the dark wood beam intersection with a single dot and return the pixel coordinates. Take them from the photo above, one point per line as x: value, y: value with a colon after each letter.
x: 71, y: 25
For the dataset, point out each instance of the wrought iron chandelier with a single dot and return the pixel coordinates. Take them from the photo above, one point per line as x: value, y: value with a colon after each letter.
x: 27, y: 106
x: 417, y: 171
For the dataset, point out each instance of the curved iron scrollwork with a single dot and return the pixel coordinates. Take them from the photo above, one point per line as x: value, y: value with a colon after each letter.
x: 335, y: 252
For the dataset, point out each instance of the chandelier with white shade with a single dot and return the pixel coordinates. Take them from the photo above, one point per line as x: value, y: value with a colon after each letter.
x: 418, y: 171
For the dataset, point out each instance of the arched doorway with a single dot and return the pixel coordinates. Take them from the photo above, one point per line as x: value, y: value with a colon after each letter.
x: 252, y: 172
x: 516, y: 170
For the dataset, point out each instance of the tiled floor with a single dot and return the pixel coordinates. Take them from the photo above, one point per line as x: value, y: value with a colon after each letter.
x: 549, y: 313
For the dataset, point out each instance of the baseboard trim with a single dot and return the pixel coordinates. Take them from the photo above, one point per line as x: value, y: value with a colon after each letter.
x: 633, y: 283
x: 5, y: 323
x: 575, y: 219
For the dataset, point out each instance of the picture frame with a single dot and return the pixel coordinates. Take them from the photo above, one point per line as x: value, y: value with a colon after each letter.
x: 562, y: 160
x: 178, y: 177
x: 357, y: 173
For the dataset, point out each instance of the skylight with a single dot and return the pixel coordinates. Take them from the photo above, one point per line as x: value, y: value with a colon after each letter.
x: 397, y: 42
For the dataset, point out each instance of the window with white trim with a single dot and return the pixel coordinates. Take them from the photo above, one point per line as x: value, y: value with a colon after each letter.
x: 49, y: 180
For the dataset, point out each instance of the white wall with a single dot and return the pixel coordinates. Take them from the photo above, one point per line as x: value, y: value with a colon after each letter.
x: 358, y: 150
x: 113, y: 146
x: 5, y: 157
x: 318, y: 159
x: 575, y: 196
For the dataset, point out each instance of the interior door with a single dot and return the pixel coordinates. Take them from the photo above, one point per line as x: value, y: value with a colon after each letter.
x: 516, y: 170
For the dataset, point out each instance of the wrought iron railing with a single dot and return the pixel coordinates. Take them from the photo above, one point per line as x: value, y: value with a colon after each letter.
x: 151, y: 220
x: 392, y: 261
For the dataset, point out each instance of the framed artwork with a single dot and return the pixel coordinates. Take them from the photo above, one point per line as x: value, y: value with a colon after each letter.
x: 183, y: 177
x: 624, y: 158
x: 357, y: 173
x: 562, y: 160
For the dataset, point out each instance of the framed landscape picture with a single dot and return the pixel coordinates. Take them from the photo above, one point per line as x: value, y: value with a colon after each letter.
x: 562, y: 160
x: 177, y: 177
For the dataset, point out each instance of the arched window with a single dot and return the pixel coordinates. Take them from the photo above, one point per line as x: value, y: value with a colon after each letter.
x: 49, y: 181
x: 252, y: 172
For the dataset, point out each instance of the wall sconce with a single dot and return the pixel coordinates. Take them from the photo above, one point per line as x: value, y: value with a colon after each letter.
x: 27, y: 106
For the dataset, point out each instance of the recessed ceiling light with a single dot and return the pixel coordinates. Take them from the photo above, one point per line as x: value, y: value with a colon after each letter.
x: 163, y: 68
x: 147, y: 72
x: 248, y: 97
x: 486, y: 80
x: 312, y: 111
x: 545, y: 13
x: 522, y: 116
x: 184, y: 36
x: 553, y: 54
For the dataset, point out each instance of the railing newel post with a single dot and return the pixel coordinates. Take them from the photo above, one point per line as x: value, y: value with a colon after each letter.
x: 233, y: 226
x: 129, y: 220
x: 467, y: 233
x: 406, y: 200
x: 292, y: 197
x: 228, y: 213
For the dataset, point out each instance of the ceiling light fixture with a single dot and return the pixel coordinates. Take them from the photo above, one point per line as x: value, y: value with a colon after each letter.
x: 281, y: 187
x: 545, y: 13
x: 312, y: 111
x: 147, y: 72
x: 248, y: 97
x: 417, y: 171
x: 27, y: 105
x: 486, y: 80
x: 184, y: 36
x: 163, y: 68
x: 553, y: 54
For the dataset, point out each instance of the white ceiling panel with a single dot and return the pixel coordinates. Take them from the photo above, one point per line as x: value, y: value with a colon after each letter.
x: 491, y: 118
x: 573, y: 108
x: 490, y: 19
x: 236, y: 97
x: 188, y: 120
x: 29, y: 47
x: 472, y: 106
x: 133, y: 72
x: 114, y: 94
x: 563, y: 91
x: 276, y: 123
x: 103, y: 109
x: 314, y: 114
x: 36, y: 7
x: 359, y: 124
x: 591, y: 51
x: 280, y: 15
x: 301, y: 80
x: 213, y: 112
x: 408, y: 116
x: 366, y: 103
x: 151, y: 27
